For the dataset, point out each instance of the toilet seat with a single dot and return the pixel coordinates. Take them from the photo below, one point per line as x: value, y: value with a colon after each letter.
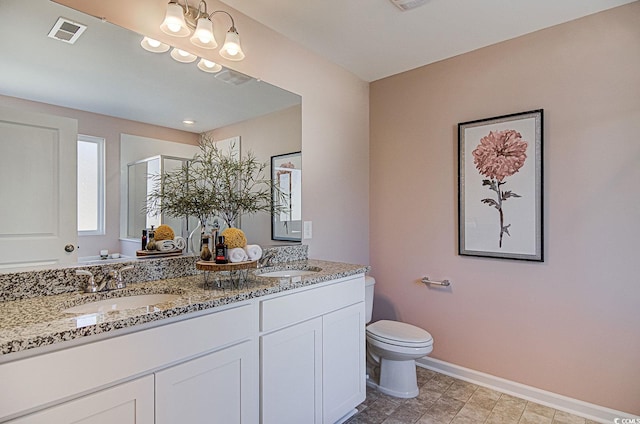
x: 399, y: 334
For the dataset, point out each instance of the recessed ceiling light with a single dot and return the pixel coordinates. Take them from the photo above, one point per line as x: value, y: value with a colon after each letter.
x: 188, y: 122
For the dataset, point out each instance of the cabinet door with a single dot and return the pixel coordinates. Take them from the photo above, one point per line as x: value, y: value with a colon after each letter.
x: 128, y: 403
x: 343, y: 359
x: 291, y: 372
x: 216, y: 388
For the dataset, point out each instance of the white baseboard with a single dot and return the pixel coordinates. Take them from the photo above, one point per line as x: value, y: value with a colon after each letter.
x: 563, y: 403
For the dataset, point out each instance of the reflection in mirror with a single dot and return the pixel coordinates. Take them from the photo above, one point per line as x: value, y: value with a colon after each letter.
x: 141, y: 182
x: 110, y: 85
x: 286, y: 173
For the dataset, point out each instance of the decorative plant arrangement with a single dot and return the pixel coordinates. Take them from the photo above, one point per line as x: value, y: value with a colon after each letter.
x: 214, y: 183
x: 499, y: 155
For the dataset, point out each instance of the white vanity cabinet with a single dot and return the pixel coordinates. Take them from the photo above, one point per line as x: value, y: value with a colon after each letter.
x: 312, y: 366
x: 205, y: 366
x: 216, y: 388
x: 295, y: 357
x: 127, y: 403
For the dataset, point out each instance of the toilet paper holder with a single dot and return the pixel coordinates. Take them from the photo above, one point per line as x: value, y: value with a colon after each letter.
x: 445, y: 283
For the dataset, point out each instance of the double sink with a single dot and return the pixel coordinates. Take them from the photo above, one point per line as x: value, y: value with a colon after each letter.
x: 149, y: 300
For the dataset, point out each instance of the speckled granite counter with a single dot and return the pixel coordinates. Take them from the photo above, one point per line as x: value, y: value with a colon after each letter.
x: 35, y: 322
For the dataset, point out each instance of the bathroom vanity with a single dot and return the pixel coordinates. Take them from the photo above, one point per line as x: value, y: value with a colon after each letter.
x: 276, y: 351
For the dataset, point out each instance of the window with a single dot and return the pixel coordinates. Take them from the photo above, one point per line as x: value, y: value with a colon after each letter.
x: 90, y: 185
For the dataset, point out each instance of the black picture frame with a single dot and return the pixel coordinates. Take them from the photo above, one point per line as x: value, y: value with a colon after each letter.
x: 286, y: 174
x: 500, y: 183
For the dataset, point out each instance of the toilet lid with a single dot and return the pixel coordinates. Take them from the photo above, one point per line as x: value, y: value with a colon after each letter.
x: 395, y: 331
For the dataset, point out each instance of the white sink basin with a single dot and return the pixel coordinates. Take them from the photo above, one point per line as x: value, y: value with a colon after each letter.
x: 288, y: 273
x: 121, y: 303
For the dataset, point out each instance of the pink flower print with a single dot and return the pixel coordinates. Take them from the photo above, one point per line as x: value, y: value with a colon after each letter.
x: 499, y: 155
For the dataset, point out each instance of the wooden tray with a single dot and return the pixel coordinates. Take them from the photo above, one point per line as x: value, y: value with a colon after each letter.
x: 212, y: 266
x: 149, y: 253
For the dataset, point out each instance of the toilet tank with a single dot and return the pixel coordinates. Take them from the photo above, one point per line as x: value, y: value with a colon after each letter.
x: 369, y: 282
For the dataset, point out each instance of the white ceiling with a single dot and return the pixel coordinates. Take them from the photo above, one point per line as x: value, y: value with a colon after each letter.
x: 374, y: 39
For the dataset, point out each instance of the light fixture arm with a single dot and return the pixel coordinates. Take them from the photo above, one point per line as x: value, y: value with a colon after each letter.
x: 233, y: 24
x: 192, y: 14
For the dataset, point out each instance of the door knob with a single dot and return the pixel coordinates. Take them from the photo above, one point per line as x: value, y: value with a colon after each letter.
x: 69, y: 248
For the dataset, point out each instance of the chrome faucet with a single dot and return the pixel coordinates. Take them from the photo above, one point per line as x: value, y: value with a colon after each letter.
x: 267, y: 259
x: 115, y: 277
x: 91, y: 286
x: 111, y: 281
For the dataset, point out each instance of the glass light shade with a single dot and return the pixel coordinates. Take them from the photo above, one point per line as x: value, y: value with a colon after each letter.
x: 203, y: 35
x: 231, y: 49
x: 209, y: 66
x: 154, y: 46
x: 174, y: 23
x: 182, y: 56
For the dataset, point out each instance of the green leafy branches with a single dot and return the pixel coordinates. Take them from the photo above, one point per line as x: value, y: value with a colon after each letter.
x: 215, y: 183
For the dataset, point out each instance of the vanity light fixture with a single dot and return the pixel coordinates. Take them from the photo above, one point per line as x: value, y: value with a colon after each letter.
x: 181, y: 20
x: 182, y: 56
x: 154, y: 46
x: 206, y: 65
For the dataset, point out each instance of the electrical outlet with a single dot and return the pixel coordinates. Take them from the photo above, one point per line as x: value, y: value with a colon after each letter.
x: 308, y: 230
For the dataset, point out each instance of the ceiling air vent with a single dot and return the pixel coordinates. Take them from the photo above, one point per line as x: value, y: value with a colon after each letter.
x: 405, y: 5
x: 66, y: 30
x: 233, y: 77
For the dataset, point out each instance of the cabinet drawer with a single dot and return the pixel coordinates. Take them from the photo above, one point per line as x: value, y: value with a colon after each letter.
x: 303, y: 305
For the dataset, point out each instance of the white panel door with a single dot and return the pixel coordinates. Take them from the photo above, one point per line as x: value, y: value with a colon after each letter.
x: 128, y: 403
x: 216, y: 388
x: 291, y: 375
x: 343, y: 362
x: 38, y: 209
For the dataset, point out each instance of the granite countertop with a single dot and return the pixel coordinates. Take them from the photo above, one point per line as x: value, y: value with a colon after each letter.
x: 39, y: 321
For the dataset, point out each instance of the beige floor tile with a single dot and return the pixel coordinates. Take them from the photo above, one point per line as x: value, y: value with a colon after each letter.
x: 536, y: 408
x: 561, y: 417
x: 406, y: 413
x: 445, y: 409
x: 497, y: 418
x: 418, y: 404
x: 484, y: 398
x: 512, y: 400
x: 446, y: 400
x: 461, y: 390
x: 425, y: 419
x: 529, y: 417
x: 439, y: 382
x: 474, y: 413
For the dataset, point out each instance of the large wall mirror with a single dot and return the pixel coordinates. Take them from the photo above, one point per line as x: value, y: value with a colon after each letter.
x: 127, y: 90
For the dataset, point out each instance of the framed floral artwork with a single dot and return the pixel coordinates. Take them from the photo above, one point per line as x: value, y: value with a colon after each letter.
x: 500, y: 187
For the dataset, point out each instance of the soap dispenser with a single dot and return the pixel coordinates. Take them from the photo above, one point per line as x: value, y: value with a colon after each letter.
x: 205, y: 253
x: 221, y: 251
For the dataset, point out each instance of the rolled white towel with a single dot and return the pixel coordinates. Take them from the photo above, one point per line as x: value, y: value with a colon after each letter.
x: 254, y: 252
x: 180, y: 243
x: 165, y: 245
x: 237, y: 254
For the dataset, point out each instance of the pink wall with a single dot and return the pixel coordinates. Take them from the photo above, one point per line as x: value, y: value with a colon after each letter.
x: 570, y: 325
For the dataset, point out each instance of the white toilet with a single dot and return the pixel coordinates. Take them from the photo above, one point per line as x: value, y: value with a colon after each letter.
x: 394, y: 346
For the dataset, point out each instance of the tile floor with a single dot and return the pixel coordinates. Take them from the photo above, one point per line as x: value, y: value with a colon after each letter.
x: 444, y: 400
